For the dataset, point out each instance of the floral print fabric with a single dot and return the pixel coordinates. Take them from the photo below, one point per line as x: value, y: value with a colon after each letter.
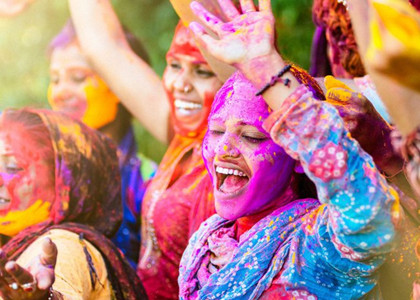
x: 306, y: 249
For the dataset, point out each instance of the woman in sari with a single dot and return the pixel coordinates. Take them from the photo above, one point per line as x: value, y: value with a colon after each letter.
x: 180, y: 195
x: 267, y: 241
x: 60, y: 180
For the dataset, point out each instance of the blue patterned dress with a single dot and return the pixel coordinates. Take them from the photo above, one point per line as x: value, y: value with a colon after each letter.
x: 308, y: 249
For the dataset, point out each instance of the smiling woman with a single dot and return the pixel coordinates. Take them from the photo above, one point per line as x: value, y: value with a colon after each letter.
x: 267, y: 241
x: 27, y: 175
x: 53, y: 184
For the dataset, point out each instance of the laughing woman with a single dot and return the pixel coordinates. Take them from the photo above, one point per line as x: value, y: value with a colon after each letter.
x: 266, y: 241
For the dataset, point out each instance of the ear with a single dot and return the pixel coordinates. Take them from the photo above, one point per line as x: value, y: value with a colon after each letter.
x: 299, y: 168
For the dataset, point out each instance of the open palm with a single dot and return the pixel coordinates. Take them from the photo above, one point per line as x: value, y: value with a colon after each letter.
x: 244, y: 37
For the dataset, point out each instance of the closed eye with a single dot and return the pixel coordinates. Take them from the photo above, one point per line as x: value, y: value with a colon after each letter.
x: 216, y: 132
x: 13, y: 170
x: 204, y: 73
x: 254, y: 140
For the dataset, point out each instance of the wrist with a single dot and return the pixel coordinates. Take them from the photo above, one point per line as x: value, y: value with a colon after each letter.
x: 261, y: 69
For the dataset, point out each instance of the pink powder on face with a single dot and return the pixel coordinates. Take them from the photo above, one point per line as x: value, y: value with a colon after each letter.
x: 31, y: 178
x: 236, y: 140
x: 183, y: 43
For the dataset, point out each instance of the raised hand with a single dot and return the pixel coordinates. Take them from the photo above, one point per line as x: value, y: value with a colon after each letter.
x: 364, y: 124
x: 33, y: 281
x: 245, y: 39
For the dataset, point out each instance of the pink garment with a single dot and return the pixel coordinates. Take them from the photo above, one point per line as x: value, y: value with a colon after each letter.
x: 170, y: 213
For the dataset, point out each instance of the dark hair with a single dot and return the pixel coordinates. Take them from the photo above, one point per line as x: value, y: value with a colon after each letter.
x: 68, y: 34
x: 335, y: 19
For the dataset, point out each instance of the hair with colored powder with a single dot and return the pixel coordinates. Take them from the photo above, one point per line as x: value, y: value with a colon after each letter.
x: 303, y: 77
x: 34, y: 126
x: 334, y: 18
x: 68, y: 35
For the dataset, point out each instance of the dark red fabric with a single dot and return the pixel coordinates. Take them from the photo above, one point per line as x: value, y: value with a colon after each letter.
x: 88, y: 199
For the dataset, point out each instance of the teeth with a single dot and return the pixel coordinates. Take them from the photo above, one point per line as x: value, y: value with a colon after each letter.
x: 229, y: 172
x: 181, y: 104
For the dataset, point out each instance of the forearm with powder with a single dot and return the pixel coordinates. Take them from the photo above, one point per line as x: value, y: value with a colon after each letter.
x: 136, y: 84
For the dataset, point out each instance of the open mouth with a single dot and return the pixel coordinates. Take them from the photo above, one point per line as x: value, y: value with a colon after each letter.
x: 230, y: 181
x: 187, y: 108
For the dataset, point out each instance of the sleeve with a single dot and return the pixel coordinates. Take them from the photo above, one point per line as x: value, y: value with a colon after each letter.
x: 359, y: 204
x: 72, y: 276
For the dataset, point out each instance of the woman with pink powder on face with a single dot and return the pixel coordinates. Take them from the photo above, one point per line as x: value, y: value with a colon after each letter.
x: 266, y: 241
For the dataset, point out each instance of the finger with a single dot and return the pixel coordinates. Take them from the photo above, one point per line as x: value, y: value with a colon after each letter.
x: 247, y: 6
x: 228, y: 8
x: 48, y: 256
x: 331, y: 82
x: 19, y: 274
x: 264, y: 5
x: 206, y: 17
x: 45, y: 278
x: 202, y: 37
x: 197, y: 29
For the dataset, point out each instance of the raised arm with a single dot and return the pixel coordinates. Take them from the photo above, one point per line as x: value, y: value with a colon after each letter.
x: 136, y: 84
x: 359, y: 201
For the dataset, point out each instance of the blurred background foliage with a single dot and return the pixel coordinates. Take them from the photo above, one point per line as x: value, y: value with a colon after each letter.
x: 24, y: 72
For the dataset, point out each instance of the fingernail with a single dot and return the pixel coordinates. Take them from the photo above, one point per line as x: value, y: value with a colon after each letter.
x: 194, y: 5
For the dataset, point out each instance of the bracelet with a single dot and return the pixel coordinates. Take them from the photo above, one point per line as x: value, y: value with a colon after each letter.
x: 50, y: 294
x: 276, y: 78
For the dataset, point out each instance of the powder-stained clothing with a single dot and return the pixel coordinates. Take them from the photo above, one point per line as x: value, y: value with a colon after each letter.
x: 71, y: 267
x: 135, y: 171
x: 87, y: 200
x: 305, y: 249
x: 170, y: 212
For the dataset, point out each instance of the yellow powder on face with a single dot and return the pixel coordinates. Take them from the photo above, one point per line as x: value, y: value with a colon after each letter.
x: 102, y: 103
x: 15, y: 221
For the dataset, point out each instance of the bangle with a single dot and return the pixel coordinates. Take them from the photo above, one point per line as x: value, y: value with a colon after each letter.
x: 50, y: 294
x: 276, y: 78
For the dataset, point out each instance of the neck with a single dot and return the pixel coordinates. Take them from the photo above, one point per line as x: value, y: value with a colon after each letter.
x: 245, y: 223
